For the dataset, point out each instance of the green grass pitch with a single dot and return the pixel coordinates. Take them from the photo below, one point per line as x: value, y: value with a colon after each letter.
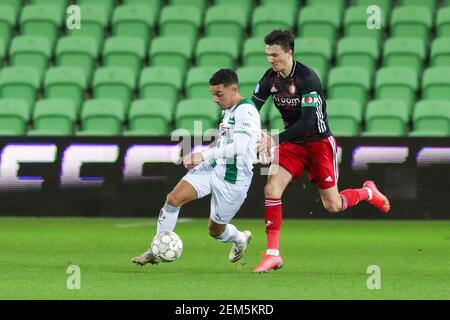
x: 324, y: 259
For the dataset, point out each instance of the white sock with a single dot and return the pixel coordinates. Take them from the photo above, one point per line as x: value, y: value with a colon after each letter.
x: 273, y: 252
x: 231, y: 234
x: 167, y: 219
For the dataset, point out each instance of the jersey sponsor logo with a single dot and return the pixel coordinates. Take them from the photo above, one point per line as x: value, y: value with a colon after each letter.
x: 310, y: 100
x: 281, y: 101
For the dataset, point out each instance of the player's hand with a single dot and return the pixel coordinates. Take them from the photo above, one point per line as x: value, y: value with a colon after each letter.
x: 192, y: 160
x: 265, y: 143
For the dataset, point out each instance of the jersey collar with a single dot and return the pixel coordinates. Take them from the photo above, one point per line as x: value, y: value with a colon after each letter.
x: 294, y: 64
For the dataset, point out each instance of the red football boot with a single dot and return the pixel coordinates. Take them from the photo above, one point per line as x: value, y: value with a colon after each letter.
x: 378, y: 200
x: 269, y: 262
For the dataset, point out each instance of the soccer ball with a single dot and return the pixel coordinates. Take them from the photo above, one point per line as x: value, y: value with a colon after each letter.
x: 167, y: 246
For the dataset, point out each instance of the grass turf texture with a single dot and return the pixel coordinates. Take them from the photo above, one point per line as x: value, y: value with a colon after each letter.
x: 323, y: 260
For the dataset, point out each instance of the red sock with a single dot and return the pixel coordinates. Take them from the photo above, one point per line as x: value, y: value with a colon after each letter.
x: 273, y: 222
x: 351, y: 197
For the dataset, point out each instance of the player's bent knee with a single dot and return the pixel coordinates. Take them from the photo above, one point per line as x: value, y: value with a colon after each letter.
x: 174, y: 200
x: 333, y: 207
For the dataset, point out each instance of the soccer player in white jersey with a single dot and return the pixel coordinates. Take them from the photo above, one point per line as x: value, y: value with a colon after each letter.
x: 225, y: 171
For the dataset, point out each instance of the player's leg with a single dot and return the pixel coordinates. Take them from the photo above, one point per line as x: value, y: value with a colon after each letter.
x: 182, y: 194
x: 279, y: 179
x: 324, y: 171
x: 195, y: 184
x: 226, y: 200
x: 229, y: 233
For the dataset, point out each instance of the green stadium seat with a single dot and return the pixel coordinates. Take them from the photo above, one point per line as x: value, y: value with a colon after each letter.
x: 114, y: 83
x: 226, y: 21
x: 149, y: 117
x: 199, y: 4
x: 245, y: 5
x: 30, y: 51
x: 412, y: 22
x: 41, y: 20
x: 153, y: 5
x: 53, y: 117
x: 180, y: 21
x: 14, y: 117
x: 386, y: 118
x: 355, y: 24
x: 267, y: 18
x: 60, y: 5
x: 344, y: 117
x: 20, y: 83
x: 162, y: 83
x: 443, y: 22
x: 102, y: 117
x: 191, y: 111
x: 254, y: 52
x: 319, y: 22
x: 292, y: 5
x: 431, y: 119
x: 358, y: 52
x: 385, y: 5
x: 127, y: 52
x: 2, y: 52
x: 351, y: 83
x: 404, y: 52
x: 216, y: 52
x: 171, y: 52
x: 16, y: 5
x: 436, y: 83
x: 105, y: 6
x: 133, y: 21
x: 315, y: 53
x: 248, y: 78
x: 80, y: 52
x: 336, y: 5
x: 427, y: 4
x: 67, y: 83
x: 197, y: 82
x: 440, y: 52
x: 94, y: 21
x: 397, y: 83
x: 7, y: 22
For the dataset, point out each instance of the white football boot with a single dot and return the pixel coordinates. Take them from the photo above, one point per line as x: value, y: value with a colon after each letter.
x: 146, y: 257
x: 237, y: 252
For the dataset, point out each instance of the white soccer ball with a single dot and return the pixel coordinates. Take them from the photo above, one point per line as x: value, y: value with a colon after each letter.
x: 167, y: 246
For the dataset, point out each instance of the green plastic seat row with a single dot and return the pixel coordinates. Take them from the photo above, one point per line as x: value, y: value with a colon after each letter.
x: 106, y: 117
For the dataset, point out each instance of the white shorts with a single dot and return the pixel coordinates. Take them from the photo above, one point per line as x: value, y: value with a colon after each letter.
x: 226, y: 199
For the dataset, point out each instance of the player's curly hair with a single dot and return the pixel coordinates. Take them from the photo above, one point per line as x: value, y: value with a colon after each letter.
x: 284, y: 38
x: 227, y: 77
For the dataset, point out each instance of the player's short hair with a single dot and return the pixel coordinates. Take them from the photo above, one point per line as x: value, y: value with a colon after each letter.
x: 227, y: 77
x: 284, y: 38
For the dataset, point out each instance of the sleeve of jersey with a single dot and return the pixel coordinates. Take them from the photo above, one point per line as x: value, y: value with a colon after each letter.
x: 305, y: 124
x: 241, y: 138
x: 261, y: 93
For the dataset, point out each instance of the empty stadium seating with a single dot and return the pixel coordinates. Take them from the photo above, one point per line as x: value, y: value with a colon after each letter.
x: 152, y: 59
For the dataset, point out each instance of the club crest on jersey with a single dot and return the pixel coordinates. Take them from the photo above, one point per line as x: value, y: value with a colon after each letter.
x: 292, y: 89
x: 310, y: 100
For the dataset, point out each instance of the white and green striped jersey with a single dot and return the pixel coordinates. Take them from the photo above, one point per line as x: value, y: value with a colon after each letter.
x: 242, y: 119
